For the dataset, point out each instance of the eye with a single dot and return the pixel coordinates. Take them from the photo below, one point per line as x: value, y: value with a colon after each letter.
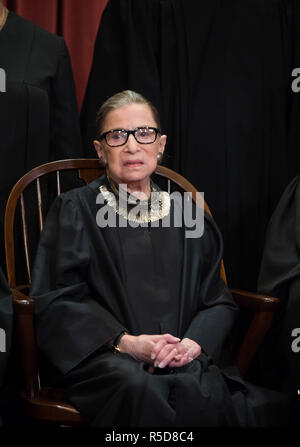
x: 117, y: 135
x: 144, y: 132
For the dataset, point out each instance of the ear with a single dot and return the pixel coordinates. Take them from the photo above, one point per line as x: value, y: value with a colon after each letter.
x: 98, y: 148
x: 162, y: 143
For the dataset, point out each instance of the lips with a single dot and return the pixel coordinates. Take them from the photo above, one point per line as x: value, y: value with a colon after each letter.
x: 130, y: 163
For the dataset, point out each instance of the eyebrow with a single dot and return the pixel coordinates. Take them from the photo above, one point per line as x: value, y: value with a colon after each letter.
x: 139, y: 127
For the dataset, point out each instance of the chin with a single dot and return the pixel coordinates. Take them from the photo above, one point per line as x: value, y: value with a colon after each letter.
x: 136, y: 176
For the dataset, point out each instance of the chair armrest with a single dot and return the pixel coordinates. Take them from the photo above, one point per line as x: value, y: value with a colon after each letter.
x: 264, y: 308
x: 23, y: 304
x: 42, y: 404
x: 255, y: 301
x: 24, y: 312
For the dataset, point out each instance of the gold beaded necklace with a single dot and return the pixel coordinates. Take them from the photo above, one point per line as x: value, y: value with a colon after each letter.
x: 155, y: 209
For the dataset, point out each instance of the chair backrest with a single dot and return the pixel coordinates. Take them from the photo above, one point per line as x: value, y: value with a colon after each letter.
x: 88, y: 170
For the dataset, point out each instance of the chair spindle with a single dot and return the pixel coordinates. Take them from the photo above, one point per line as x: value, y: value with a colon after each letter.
x: 58, y: 183
x: 25, y: 238
x: 40, y: 204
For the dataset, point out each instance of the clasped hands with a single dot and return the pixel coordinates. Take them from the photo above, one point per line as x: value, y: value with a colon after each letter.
x: 160, y: 350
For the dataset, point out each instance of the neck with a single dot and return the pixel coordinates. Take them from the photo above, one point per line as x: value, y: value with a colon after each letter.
x: 140, y: 189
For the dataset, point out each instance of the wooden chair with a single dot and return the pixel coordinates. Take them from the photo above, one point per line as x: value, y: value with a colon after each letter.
x: 45, y: 404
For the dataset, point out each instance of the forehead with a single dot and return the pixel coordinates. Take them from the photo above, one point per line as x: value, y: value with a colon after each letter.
x: 129, y: 117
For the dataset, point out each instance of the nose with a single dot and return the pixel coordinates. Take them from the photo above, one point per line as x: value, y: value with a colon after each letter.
x: 132, y: 145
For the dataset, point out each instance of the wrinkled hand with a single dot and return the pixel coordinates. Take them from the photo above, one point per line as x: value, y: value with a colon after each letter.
x: 175, y: 355
x: 140, y: 347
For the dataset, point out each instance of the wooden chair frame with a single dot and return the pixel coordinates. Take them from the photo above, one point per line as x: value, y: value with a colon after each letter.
x: 46, y: 404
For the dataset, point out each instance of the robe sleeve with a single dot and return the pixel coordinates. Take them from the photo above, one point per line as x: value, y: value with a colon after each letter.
x: 280, y: 262
x: 70, y: 321
x: 217, y: 309
x: 278, y: 359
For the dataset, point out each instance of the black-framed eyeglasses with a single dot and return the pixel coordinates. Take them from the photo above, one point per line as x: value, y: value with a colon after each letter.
x: 119, y: 137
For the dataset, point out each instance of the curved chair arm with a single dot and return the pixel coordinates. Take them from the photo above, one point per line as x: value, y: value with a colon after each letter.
x: 22, y: 302
x: 255, y: 301
x: 264, y: 308
x: 41, y: 403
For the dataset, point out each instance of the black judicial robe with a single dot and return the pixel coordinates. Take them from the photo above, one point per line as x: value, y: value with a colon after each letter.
x: 38, y: 111
x: 90, y: 283
x: 278, y: 361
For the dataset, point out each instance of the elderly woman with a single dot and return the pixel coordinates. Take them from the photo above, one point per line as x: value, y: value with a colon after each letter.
x: 132, y: 316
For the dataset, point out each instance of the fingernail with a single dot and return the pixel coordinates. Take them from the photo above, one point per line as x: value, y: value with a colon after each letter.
x: 155, y: 365
x: 161, y: 365
x: 153, y: 356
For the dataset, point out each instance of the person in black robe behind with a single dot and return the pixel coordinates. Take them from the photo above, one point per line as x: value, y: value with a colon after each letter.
x: 38, y: 111
x: 38, y: 123
x: 131, y: 313
x: 277, y: 364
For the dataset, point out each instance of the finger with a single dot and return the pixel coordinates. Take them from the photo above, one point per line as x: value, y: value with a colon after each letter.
x: 175, y: 364
x: 168, y: 358
x: 178, y: 363
x: 157, y: 348
x: 164, y: 352
x: 187, y: 360
x: 171, y: 339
